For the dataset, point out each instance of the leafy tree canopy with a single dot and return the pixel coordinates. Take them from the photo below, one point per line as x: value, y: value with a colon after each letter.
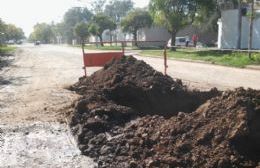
x: 176, y: 14
x: 81, y: 30
x: 100, y: 23
x: 42, y: 32
x: 136, y: 20
x: 71, y: 18
x: 117, y: 9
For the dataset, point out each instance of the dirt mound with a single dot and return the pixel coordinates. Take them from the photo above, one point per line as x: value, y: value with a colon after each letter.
x: 224, y: 132
x: 137, y: 85
x: 124, y: 110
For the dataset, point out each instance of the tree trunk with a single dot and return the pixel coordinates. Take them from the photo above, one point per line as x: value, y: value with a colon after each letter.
x: 110, y: 34
x: 82, y: 46
x: 239, y: 25
x: 135, y: 38
x: 101, y: 41
x: 173, y: 47
x: 251, y: 30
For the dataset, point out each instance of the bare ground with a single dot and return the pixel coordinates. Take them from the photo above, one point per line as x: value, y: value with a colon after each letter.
x: 33, y: 103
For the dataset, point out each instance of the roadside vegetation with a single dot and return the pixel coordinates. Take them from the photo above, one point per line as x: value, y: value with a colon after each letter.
x: 6, y: 50
x: 227, y: 58
x: 81, y: 25
x: 10, y: 33
x: 121, y: 15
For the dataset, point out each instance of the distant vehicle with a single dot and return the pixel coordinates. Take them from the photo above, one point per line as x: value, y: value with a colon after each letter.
x: 181, y: 41
x: 10, y: 42
x: 19, y: 42
x: 37, y: 43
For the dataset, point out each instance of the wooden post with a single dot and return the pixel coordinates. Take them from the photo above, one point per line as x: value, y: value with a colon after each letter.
x: 239, y: 25
x: 83, y: 53
x: 165, y: 60
x: 123, y: 47
x: 251, y: 29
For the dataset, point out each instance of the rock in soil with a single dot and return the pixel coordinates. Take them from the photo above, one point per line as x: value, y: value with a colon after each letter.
x: 133, y: 116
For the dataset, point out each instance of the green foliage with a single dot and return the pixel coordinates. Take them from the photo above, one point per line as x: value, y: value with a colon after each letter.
x: 10, y: 32
x: 98, y: 6
x: 42, y: 32
x: 81, y: 30
x: 2, y: 31
x: 227, y: 58
x: 118, y: 9
x: 2, y: 26
x: 176, y: 14
x: 100, y: 23
x: 71, y: 18
x: 14, y: 33
x: 93, y: 29
x: 173, y: 14
x: 207, y: 15
x: 136, y: 20
x: 4, y: 50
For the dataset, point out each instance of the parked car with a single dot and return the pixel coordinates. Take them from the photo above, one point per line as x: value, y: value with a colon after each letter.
x: 19, y: 42
x: 37, y: 43
x: 10, y: 42
x: 181, y: 41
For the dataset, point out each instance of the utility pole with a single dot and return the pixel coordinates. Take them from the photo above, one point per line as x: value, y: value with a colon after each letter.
x: 251, y: 29
x: 239, y: 25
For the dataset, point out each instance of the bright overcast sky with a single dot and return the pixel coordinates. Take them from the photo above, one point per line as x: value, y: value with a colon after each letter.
x: 26, y: 13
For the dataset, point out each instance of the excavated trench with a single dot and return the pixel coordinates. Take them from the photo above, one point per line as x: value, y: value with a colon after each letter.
x: 133, y: 116
x: 154, y: 101
x: 248, y: 144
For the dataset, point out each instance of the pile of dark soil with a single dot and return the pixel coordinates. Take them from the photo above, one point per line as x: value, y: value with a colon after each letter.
x: 132, y: 83
x: 132, y: 116
x: 5, y: 60
x: 224, y: 132
x: 3, y: 63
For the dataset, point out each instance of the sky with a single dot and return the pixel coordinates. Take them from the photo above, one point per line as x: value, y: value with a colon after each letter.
x: 26, y: 13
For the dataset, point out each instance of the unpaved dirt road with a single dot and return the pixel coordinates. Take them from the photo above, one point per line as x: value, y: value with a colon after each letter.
x: 33, y: 100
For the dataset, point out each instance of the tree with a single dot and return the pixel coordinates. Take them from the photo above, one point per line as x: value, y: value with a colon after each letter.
x: 100, y: 23
x: 207, y: 14
x: 173, y: 14
x: 118, y: 9
x: 42, y: 32
x: 98, y: 6
x: 2, y: 31
x: 71, y: 18
x: 58, y: 30
x: 13, y: 33
x: 2, y: 26
x: 136, y: 20
x: 81, y: 30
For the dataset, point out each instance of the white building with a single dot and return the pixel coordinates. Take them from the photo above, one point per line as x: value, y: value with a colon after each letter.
x: 146, y: 37
x: 153, y: 37
x: 228, y: 30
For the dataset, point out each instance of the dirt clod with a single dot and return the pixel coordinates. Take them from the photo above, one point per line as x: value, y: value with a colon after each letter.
x: 132, y: 116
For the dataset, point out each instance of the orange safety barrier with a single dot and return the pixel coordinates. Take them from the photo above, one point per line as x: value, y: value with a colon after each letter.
x: 100, y: 59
